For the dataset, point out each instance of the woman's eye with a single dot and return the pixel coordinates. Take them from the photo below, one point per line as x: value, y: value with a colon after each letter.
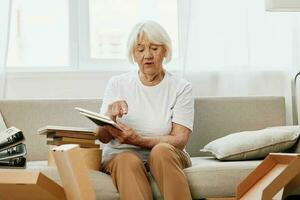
x: 154, y: 47
x: 140, y: 50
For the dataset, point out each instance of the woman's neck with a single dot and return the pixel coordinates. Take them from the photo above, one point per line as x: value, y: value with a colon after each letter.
x: 151, y: 79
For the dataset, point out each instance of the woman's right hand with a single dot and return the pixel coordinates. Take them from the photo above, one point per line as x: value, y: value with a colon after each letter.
x: 117, y: 109
x: 103, y: 134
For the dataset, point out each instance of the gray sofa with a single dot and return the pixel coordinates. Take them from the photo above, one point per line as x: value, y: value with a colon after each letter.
x: 214, y: 117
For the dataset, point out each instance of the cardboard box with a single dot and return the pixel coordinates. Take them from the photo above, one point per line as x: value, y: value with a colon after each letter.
x: 74, y: 175
x: 274, y: 178
x: 23, y: 184
x: 91, y: 157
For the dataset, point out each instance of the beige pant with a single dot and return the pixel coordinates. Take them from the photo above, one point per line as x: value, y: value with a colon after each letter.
x: 166, y: 164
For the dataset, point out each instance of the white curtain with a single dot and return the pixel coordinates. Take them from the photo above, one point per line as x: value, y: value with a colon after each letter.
x: 236, y: 48
x: 5, y: 10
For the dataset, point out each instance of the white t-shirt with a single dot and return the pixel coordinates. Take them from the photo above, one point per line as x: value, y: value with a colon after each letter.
x: 151, y: 109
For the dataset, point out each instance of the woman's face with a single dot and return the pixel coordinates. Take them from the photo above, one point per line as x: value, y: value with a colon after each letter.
x: 149, y: 56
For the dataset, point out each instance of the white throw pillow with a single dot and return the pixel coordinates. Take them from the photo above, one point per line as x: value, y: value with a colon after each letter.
x: 252, y: 144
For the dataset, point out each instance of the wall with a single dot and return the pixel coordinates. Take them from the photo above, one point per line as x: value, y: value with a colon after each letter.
x: 28, y: 85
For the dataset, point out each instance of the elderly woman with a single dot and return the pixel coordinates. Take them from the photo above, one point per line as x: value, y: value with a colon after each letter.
x: 154, y: 111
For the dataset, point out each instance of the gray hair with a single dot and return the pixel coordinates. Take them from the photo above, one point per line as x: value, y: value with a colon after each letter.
x: 156, y: 35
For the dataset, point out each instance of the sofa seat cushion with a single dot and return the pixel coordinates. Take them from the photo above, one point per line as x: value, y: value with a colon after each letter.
x: 101, y: 182
x: 209, y: 177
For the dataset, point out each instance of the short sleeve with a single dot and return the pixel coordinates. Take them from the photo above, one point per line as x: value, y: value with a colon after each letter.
x: 183, y: 110
x: 109, y: 96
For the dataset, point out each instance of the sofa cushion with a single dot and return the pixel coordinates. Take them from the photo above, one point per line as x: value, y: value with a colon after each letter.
x: 101, y: 182
x: 252, y: 144
x: 216, y: 117
x: 205, y: 178
x: 295, y: 148
x: 30, y: 115
x: 209, y: 177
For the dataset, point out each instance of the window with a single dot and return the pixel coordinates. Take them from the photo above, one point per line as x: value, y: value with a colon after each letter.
x: 109, y: 31
x: 39, y: 35
x: 81, y: 34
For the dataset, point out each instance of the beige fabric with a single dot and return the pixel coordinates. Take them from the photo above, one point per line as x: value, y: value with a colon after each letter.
x: 101, y: 182
x: 165, y: 164
x: 129, y: 175
x: 252, y: 144
x: 30, y: 115
x: 216, y: 117
x: 296, y: 147
x: 209, y: 177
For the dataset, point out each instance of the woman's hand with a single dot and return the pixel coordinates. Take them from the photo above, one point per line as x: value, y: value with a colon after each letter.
x: 117, y: 109
x: 124, y: 136
x: 178, y: 137
x: 103, y: 135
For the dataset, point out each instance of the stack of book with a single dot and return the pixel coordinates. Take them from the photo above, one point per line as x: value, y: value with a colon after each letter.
x: 12, y: 148
x: 58, y: 135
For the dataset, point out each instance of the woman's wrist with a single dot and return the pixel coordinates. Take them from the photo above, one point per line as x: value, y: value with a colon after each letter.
x: 144, y: 142
x: 108, y: 114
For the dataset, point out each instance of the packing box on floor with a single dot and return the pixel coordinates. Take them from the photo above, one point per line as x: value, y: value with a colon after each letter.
x: 274, y: 178
x: 20, y: 184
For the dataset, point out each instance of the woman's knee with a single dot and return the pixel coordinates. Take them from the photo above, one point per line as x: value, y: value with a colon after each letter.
x: 161, y: 150
x: 128, y: 160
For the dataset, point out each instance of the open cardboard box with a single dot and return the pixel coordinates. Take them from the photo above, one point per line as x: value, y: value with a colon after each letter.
x: 274, y: 178
x: 91, y: 157
x: 16, y: 184
x: 74, y: 175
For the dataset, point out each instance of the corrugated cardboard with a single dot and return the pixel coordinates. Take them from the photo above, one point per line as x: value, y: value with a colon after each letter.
x: 91, y: 157
x: 73, y: 173
x: 23, y: 184
x: 272, y: 179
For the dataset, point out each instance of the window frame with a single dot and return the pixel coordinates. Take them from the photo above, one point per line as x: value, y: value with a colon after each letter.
x: 79, y: 43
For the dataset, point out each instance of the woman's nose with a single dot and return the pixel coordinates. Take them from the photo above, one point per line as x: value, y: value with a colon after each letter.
x: 148, y: 54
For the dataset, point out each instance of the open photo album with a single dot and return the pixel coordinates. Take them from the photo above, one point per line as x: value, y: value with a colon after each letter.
x: 97, y: 118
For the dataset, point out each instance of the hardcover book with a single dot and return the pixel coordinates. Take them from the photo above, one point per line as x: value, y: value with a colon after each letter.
x: 18, y: 162
x: 50, y: 128
x: 13, y: 152
x: 97, y: 118
x: 74, y: 140
x: 10, y: 137
x: 66, y: 131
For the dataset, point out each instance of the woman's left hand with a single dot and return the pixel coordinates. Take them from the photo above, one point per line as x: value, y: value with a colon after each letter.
x: 124, y: 136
